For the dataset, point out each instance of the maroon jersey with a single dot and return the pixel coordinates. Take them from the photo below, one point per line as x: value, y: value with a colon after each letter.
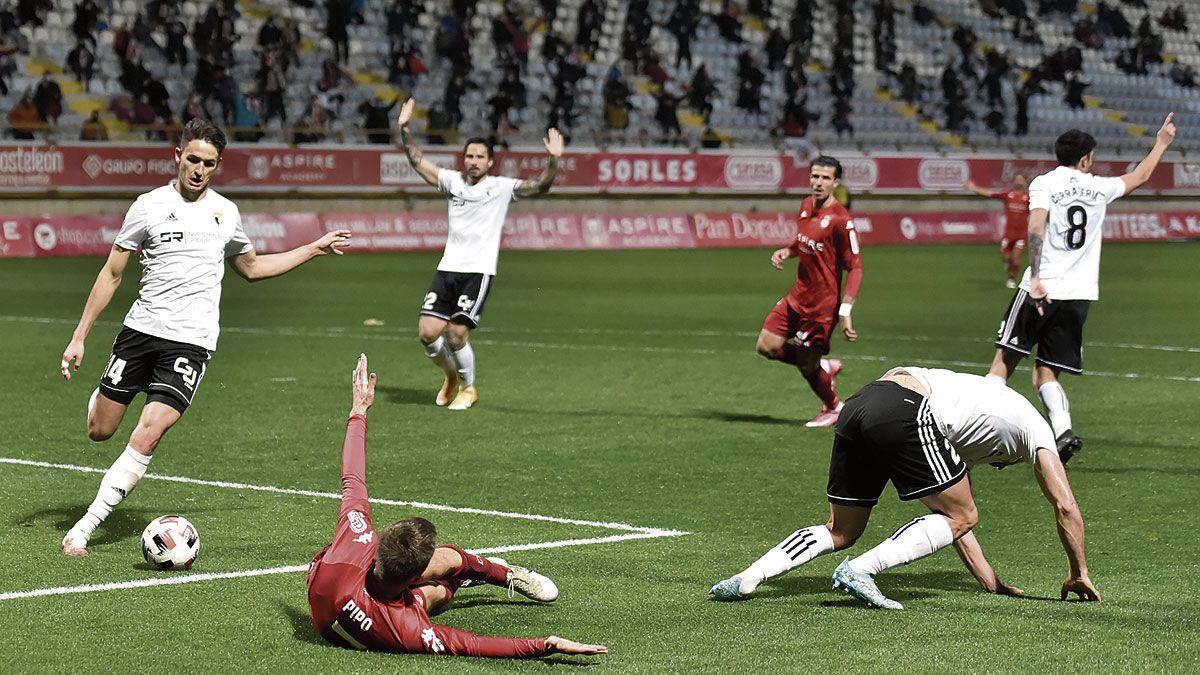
x: 1016, y: 211
x: 826, y: 244
x: 347, y: 615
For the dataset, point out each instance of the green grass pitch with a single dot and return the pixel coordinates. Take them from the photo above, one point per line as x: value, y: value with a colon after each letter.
x: 616, y: 387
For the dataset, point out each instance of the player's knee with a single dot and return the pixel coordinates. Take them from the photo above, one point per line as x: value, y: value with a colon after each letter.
x: 427, y: 335
x: 843, y: 540
x: 98, y: 432
x: 764, y: 352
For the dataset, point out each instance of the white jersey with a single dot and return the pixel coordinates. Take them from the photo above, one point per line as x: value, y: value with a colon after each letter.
x: 1075, y: 203
x: 985, y: 421
x: 182, y: 246
x: 476, y: 221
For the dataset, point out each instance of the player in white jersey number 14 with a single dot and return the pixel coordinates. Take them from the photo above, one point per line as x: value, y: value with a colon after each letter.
x: 183, y: 233
x: 1066, y: 222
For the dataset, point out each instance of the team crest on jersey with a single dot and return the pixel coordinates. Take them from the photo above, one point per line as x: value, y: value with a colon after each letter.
x: 217, y: 217
x: 804, y: 214
x: 358, y: 523
x: 825, y: 222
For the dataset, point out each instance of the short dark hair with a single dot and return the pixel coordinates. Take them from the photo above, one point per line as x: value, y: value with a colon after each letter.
x: 1073, y: 146
x: 405, y: 548
x: 479, y: 140
x: 826, y: 160
x: 199, y: 129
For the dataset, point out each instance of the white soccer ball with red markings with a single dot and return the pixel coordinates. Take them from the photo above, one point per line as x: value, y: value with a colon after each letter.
x: 170, y: 543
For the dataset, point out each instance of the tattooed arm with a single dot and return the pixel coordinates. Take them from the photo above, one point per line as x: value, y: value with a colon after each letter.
x: 1037, y: 234
x: 541, y: 183
x: 424, y: 168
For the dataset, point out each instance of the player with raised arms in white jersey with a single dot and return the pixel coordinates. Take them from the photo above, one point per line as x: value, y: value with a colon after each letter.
x: 478, y: 204
x: 922, y: 429
x: 1066, y: 224
x: 183, y: 233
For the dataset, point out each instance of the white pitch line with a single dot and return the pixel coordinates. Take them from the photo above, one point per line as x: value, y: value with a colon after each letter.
x: 374, y: 500
x: 216, y: 576
x: 336, y: 332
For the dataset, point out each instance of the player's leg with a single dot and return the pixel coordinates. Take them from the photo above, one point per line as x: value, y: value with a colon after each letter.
x: 954, y: 514
x: 431, y: 332
x: 1016, y: 337
x: 456, y: 566
x: 474, y: 290
x: 820, y: 380
x: 1014, y: 262
x: 175, y: 371
x: 1060, y: 350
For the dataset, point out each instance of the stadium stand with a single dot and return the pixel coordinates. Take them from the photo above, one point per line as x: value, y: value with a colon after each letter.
x: 873, y: 75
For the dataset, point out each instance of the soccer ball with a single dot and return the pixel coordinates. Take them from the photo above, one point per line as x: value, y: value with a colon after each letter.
x: 170, y: 543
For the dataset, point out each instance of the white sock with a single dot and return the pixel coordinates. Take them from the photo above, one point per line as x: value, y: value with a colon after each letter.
x: 799, y: 547
x: 995, y: 378
x: 466, y: 365
x: 1057, y: 407
x: 116, y: 485
x: 917, y: 539
x: 440, y: 352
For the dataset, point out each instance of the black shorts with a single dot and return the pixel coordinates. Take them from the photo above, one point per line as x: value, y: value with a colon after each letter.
x: 457, y: 297
x: 1057, y: 332
x: 887, y: 432
x: 168, y: 371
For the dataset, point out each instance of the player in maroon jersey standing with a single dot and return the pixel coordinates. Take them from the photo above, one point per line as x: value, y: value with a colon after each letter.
x: 1016, y: 226
x: 798, y: 329
x: 374, y: 590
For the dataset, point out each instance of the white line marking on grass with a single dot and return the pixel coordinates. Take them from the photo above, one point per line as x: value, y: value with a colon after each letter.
x: 339, y: 332
x: 654, y: 531
x: 183, y: 578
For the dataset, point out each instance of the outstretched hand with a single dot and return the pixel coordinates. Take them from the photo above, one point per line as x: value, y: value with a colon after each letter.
x: 554, y: 142
x: 1081, y: 586
x: 566, y: 646
x: 406, y: 112
x: 72, y: 358
x: 1167, y: 133
x: 363, y: 387
x: 333, y: 242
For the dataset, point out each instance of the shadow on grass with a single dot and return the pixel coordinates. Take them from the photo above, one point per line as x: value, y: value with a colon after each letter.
x: 406, y: 396
x: 748, y: 418
x: 123, y: 523
x: 302, y: 627
x: 900, y: 586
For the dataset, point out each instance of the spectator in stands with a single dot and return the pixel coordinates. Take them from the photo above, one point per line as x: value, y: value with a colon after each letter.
x: 456, y: 87
x: 1074, y: 92
x: 1025, y: 30
x: 33, y: 12
x: 144, y: 33
x: 1087, y: 33
x: 957, y: 117
x: 195, y: 108
x: 701, y: 92
x: 81, y: 63
x: 1183, y: 75
x: 710, y: 139
x: 884, y: 14
x: 590, y: 20
x: 23, y: 119
x: 1174, y: 18
x: 8, y: 66
x: 750, y: 82
x: 337, y: 18
x: 923, y: 15
x: 272, y: 84
x: 910, y: 88
x: 93, y: 128
x: 87, y: 15
x: 158, y: 97
x: 997, y: 68
x: 48, y: 99
x: 994, y: 120
x: 841, y: 118
x: 501, y: 102
x: 682, y: 24
x: 176, y: 51
x: 728, y: 21
x: 1112, y: 22
x: 776, y: 48
x: 666, y: 115
x: 616, y: 100
x: 377, y: 120
x: 438, y: 129
x: 652, y: 67
x: 1022, y: 116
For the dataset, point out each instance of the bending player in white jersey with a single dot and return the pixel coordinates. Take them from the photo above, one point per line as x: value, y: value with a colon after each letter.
x: 478, y: 203
x: 921, y: 429
x: 1066, y: 221
x: 183, y: 233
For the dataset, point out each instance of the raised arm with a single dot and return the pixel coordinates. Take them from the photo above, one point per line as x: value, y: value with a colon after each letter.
x: 1053, y: 480
x: 354, y: 447
x: 102, y: 292
x: 424, y: 168
x: 541, y: 183
x: 970, y: 185
x: 1141, y: 173
x: 253, y: 267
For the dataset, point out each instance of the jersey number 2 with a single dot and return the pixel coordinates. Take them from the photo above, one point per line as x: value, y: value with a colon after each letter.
x: 1076, y: 227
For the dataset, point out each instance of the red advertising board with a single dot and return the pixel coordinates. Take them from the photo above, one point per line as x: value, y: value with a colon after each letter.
x: 265, y: 168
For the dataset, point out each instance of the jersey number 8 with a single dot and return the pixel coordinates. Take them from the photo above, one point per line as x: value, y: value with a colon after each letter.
x: 1076, y: 227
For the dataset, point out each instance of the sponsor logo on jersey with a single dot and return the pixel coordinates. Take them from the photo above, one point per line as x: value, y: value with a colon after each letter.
x: 365, y: 538
x: 432, y: 642
x: 171, y: 217
x: 358, y: 523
